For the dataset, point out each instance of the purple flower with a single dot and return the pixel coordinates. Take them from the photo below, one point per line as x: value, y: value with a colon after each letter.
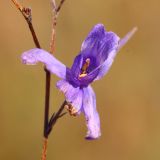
x: 92, y: 63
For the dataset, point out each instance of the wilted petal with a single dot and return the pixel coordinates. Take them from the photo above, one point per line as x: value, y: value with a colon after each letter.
x: 91, y: 114
x: 103, y: 69
x: 72, y: 95
x: 36, y: 55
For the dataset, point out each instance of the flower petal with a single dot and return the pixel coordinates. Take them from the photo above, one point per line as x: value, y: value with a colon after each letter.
x: 77, y: 65
x: 91, y: 114
x: 72, y: 95
x: 97, y: 33
x: 36, y: 55
x: 104, y: 68
x: 97, y: 46
x: 89, y: 78
x: 108, y: 44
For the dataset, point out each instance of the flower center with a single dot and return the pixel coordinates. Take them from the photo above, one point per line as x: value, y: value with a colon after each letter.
x: 84, y: 68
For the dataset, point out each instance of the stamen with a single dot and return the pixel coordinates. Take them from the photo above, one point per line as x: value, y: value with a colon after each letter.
x: 84, y: 68
x: 82, y: 75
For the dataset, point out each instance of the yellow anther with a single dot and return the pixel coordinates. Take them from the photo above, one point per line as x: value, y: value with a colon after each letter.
x: 82, y: 75
x: 84, y: 68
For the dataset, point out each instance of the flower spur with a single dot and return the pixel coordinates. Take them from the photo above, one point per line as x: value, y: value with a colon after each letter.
x: 92, y: 63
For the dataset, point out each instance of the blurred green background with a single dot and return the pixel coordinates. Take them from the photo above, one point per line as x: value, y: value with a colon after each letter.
x: 128, y: 98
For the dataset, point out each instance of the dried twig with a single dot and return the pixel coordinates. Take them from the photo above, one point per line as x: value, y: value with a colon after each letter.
x: 55, y: 11
x: 53, y: 5
x: 60, y: 5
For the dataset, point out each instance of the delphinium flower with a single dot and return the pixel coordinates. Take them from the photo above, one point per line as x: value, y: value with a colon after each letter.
x: 96, y: 56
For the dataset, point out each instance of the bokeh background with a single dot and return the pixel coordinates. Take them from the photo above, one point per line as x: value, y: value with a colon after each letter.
x: 128, y: 98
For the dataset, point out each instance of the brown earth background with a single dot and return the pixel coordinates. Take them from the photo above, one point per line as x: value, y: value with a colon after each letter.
x: 128, y: 98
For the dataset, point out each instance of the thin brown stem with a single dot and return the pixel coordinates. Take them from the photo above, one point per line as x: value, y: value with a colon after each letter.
x: 47, y: 100
x: 56, y: 116
x: 53, y: 34
x: 26, y: 12
x: 44, y: 150
x: 34, y: 35
x: 54, y: 23
x: 60, y: 6
x: 48, y: 75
